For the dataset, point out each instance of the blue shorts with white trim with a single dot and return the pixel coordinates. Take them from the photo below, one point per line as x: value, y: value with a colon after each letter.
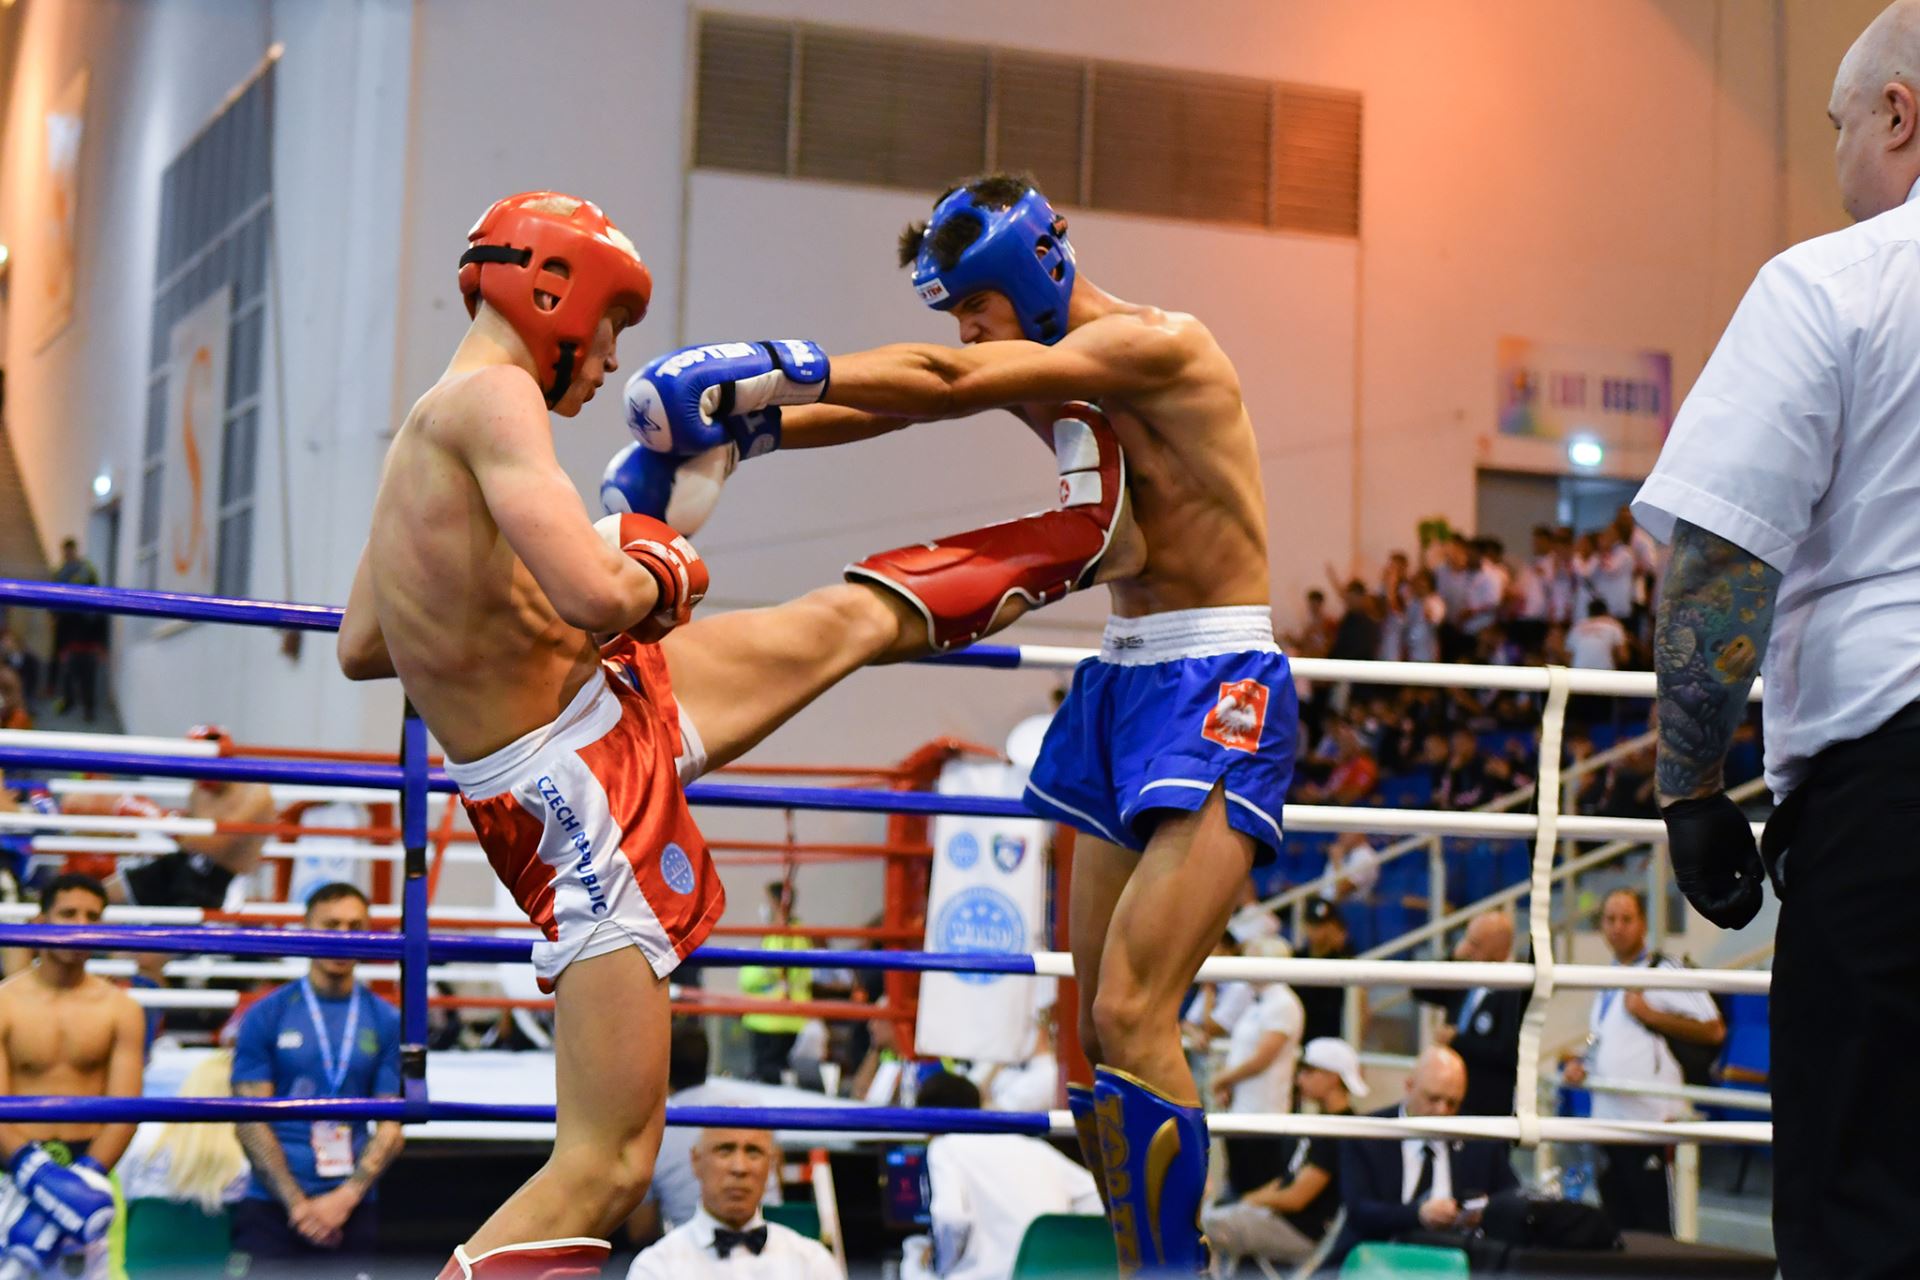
x: 1175, y: 705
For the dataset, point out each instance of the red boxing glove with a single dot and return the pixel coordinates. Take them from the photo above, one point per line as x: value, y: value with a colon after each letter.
x: 676, y: 567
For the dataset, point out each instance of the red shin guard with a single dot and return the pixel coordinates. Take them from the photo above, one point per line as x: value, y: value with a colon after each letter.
x: 575, y: 1258
x: 959, y: 583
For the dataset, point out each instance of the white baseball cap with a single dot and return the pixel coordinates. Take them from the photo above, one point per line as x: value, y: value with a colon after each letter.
x: 1330, y: 1053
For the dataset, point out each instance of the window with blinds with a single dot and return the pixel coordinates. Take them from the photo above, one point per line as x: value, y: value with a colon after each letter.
x: 805, y: 101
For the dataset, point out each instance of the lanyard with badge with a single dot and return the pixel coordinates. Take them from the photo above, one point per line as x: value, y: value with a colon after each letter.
x: 332, y: 1139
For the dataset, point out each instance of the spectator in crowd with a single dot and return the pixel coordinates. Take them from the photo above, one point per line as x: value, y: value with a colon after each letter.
x: 70, y: 1033
x: 1215, y: 1006
x: 1624, y: 789
x: 772, y: 1035
x: 987, y: 1188
x: 22, y: 661
x: 312, y: 1192
x: 1612, y: 574
x: 13, y: 701
x: 1353, y: 868
x: 1647, y: 559
x: 1323, y: 1008
x: 1314, y: 639
x: 200, y: 872
x: 1452, y: 572
x: 1426, y: 614
x: 1464, y: 786
x: 1393, y: 1188
x: 883, y: 1070
x: 1357, y: 636
x: 1283, y: 1217
x: 1599, y: 641
x: 1355, y: 773
x: 79, y: 639
x: 1529, y: 598
x: 674, y: 1194
x: 1032, y: 1083
x: 1483, y: 1025
x: 1263, y: 1044
x: 1627, y: 1041
x: 190, y: 1163
x: 727, y: 1238
x: 1486, y: 587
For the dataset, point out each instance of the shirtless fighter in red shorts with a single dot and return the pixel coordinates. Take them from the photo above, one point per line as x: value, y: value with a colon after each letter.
x: 483, y: 587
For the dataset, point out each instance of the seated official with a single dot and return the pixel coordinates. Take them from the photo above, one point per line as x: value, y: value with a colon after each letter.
x: 987, y: 1188
x: 1392, y: 1188
x: 1284, y: 1218
x: 727, y: 1237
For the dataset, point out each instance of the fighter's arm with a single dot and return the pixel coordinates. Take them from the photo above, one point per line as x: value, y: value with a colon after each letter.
x: 250, y: 802
x: 1114, y: 357
x: 11, y: 1139
x: 361, y: 649
x: 126, y: 1063
x: 817, y: 426
x: 509, y: 449
x: 263, y: 1148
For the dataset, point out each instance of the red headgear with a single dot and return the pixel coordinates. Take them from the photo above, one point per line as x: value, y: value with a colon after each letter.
x: 518, y: 242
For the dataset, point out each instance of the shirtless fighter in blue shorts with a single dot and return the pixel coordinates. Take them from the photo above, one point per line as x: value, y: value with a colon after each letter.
x: 1173, y: 751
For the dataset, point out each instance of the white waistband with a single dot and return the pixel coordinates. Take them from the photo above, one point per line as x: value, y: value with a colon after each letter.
x: 1187, y: 633
x: 593, y: 711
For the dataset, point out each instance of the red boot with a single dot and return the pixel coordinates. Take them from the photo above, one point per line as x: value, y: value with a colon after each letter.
x: 575, y: 1258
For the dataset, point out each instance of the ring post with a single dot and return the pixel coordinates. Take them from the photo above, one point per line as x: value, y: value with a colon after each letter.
x: 413, y: 910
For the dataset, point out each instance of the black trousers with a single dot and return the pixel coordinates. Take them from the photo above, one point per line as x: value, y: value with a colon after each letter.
x: 1846, y: 1012
x: 770, y: 1052
x: 266, y: 1247
x: 1634, y: 1188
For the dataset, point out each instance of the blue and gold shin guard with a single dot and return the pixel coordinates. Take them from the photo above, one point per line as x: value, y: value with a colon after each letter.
x: 1155, y: 1152
x: 1086, y: 1127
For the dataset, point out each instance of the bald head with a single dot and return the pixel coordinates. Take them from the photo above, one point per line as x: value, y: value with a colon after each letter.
x: 1438, y: 1084
x: 731, y: 1166
x: 1489, y: 938
x: 1873, y: 108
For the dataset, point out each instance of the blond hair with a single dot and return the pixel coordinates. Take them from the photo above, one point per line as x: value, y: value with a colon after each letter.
x: 203, y: 1159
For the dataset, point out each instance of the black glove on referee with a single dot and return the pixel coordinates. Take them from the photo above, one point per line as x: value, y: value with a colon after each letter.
x: 1710, y: 846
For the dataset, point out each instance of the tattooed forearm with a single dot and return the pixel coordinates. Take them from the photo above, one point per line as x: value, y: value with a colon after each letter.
x: 1715, y: 616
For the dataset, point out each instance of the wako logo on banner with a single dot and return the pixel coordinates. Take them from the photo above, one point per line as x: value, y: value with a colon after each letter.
x: 989, y: 895
x: 1550, y: 391
x: 190, y: 473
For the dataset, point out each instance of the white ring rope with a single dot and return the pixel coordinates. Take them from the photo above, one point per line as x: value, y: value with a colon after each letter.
x: 1539, y: 912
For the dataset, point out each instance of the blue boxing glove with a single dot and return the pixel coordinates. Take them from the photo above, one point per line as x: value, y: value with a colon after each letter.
x: 78, y: 1198
x: 683, y: 490
x: 32, y: 1243
x: 678, y: 403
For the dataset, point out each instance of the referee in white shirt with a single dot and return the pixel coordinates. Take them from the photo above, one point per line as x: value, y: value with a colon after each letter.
x: 1790, y: 490
x: 727, y: 1239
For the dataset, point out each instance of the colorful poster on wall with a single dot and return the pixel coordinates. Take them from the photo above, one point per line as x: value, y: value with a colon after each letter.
x: 190, y: 470
x: 1549, y: 391
x: 59, y: 203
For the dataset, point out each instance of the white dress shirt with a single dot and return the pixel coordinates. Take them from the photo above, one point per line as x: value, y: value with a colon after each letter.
x: 686, y: 1253
x: 987, y: 1189
x: 1800, y: 443
x: 1442, y: 1188
x: 1625, y: 1048
x: 1611, y: 580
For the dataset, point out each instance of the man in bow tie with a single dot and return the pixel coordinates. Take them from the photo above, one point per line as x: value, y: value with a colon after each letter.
x: 727, y: 1238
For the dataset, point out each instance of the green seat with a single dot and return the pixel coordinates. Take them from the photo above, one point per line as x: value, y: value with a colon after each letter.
x: 1066, y: 1246
x: 802, y: 1216
x: 1395, y: 1261
x: 165, y: 1238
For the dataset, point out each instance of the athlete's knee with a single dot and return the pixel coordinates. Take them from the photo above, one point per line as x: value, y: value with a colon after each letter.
x: 1122, y: 1014
x: 1090, y: 1036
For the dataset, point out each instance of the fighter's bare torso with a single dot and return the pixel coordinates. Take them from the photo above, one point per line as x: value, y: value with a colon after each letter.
x: 479, y: 648
x: 59, y: 1041
x: 1193, y: 475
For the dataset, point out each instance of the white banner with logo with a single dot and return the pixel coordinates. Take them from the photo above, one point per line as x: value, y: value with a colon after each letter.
x: 989, y: 894
x: 190, y: 470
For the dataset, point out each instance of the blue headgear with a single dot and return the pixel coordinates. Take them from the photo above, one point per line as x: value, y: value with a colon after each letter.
x: 1022, y: 252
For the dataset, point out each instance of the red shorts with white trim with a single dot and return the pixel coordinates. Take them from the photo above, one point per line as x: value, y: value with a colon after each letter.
x: 586, y: 822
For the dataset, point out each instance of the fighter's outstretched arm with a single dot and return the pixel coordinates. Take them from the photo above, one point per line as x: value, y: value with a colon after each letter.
x: 924, y: 380
x: 818, y: 426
